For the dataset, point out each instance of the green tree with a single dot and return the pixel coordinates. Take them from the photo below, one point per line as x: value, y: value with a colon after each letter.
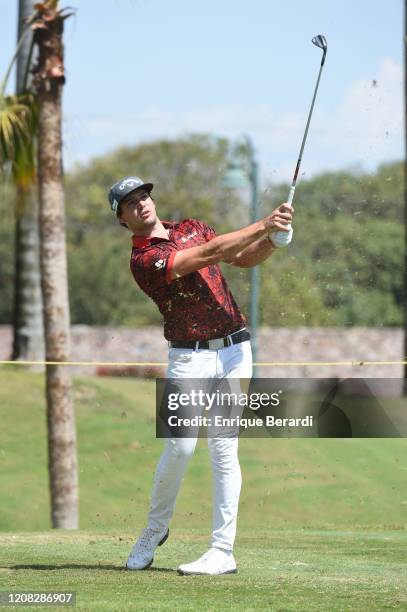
x: 345, y: 266
x: 17, y: 130
x: 289, y: 297
x: 28, y: 327
x: 348, y: 237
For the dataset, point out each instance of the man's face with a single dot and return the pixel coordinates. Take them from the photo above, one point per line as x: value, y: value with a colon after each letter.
x: 137, y: 210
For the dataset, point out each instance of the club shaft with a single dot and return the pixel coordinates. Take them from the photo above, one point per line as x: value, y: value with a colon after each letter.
x: 297, y: 168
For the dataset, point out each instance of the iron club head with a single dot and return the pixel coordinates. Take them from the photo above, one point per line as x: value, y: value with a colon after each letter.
x: 320, y: 41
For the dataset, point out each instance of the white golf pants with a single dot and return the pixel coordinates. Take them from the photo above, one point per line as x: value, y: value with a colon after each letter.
x: 230, y: 362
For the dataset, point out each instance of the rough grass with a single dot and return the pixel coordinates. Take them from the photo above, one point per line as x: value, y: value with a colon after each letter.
x: 288, y: 483
x: 322, y: 523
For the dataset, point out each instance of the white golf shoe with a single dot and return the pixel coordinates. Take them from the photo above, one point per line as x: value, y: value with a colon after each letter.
x: 142, y: 553
x: 212, y: 563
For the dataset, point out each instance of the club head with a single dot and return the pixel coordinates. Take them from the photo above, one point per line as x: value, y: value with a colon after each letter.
x: 320, y: 41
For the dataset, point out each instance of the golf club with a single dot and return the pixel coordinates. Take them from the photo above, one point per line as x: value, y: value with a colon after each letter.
x: 319, y: 41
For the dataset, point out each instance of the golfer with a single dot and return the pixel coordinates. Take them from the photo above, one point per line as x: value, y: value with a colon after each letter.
x: 176, y: 265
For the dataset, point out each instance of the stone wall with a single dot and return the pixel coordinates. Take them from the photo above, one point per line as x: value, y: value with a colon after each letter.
x: 290, y: 345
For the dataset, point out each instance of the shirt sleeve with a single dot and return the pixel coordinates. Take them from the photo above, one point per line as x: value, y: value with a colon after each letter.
x: 207, y: 231
x: 153, y: 267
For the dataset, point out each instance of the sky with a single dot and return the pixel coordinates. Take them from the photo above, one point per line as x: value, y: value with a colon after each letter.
x: 141, y: 70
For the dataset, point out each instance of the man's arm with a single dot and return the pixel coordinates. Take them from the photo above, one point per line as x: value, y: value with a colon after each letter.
x: 259, y: 250
x: 229, y: 246
x: 254, y: 254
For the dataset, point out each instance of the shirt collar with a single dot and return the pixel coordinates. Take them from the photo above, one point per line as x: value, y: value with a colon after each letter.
x: 140, y: 242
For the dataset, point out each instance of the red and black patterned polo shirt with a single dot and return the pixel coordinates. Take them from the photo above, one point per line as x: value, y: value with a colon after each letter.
x: 197, y: 306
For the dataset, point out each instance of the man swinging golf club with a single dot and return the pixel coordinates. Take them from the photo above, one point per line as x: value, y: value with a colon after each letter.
x: 176, y: 265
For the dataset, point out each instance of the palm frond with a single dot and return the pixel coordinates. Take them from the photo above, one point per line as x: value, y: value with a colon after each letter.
x: 18, y: 120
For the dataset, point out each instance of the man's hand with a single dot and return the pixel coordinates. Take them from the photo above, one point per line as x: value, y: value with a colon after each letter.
x: 281, y: 232
x: 281, y: 218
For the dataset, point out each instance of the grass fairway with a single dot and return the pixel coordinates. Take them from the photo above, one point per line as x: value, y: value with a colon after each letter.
x: 278, y: 570
x: 322, y: 523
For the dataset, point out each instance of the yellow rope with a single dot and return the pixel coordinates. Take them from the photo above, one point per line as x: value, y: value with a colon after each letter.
x: 157, y: 363
x: 86, y: 363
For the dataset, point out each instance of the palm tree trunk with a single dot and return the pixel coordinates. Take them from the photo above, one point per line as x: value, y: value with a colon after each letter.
x: 28, y: 343
x: 28, y: 325
x: 60, y: 411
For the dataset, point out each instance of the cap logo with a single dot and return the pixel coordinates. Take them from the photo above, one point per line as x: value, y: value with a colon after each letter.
x: 128, y: 183
x: 115, y: 204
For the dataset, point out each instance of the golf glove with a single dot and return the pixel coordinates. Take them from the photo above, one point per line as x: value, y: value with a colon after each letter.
x: 281, y: 239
